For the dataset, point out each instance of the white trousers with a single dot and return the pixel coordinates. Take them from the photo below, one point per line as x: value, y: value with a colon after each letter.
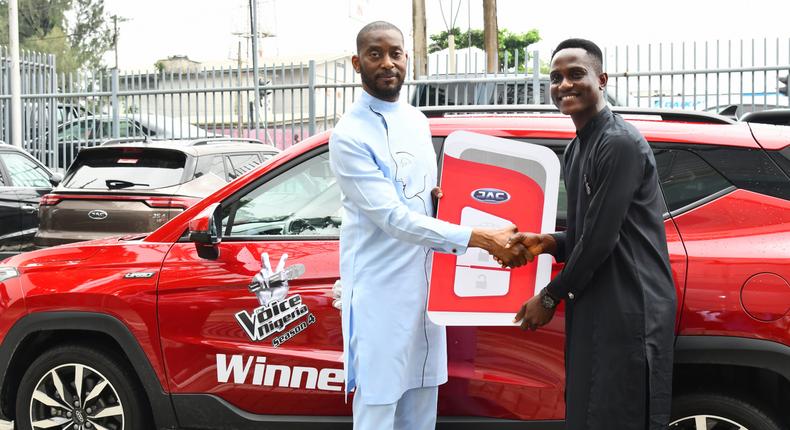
x: 415, y: 410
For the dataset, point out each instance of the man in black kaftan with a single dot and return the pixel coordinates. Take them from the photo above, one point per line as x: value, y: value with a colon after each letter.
x: 616, y: 283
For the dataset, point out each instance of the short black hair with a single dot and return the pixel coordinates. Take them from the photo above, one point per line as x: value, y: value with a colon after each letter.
x: 373, y: 26
x: 592, y: 49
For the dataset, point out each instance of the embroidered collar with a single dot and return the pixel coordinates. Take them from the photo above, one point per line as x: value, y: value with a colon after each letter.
x: 377, y: 104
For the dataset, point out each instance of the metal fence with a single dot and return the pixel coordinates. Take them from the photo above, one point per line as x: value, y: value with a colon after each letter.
x: 63, y: 113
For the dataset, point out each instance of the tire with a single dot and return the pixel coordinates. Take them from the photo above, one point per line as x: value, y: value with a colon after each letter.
x: 719, y: 412
x: 110, y: 393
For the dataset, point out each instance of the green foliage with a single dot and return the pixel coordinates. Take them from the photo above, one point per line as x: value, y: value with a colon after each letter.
x: 75, y: 31
x: 508, y: 41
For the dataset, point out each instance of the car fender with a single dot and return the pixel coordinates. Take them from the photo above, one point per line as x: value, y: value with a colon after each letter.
x: 159, y: 399
x: 735, y: 351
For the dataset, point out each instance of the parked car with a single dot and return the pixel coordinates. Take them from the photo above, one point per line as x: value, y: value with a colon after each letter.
x: 126, y: 187
x: 470, y: 89
x: 23, y: 180
x: 772, y: 116
x: 738, y: 110
x: 162, y: 330
x: 92, y: 130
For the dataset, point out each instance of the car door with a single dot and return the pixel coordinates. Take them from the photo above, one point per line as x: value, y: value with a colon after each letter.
x: 277, y: 351
x: 10, y: 215
x: 28, y: 180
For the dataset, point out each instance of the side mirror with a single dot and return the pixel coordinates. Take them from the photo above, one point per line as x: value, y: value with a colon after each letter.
x: 205, y: 231
x: 55, y: 179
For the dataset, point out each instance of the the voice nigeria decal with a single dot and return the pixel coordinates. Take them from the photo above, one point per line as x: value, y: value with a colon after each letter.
x: 277, y: 310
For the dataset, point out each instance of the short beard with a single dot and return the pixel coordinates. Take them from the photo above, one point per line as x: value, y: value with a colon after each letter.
x: 379, y: 93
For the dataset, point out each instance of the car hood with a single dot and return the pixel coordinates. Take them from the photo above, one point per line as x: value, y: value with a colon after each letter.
x: 72, y: 252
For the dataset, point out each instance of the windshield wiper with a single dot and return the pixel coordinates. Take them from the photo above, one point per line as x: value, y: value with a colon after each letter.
x: 116, y: 184
x: 87, y: 183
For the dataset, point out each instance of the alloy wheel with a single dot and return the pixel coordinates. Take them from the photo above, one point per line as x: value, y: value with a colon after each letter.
x: 705, y: 422
x: 75, y: 397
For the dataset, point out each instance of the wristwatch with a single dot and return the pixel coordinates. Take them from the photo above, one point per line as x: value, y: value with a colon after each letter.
x: 547, y: 301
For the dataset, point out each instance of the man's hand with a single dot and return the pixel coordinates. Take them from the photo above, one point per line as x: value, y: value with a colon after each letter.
x: 536, y: 244
x: 436, y: 192
x: 533, y: 315
x: 495, y: 242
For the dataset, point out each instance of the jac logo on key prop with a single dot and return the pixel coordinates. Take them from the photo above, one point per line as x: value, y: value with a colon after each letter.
x: 490, y: 195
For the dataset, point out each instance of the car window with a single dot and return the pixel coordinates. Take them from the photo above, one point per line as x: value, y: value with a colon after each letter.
x: 25, y: 172
x: 126, y: 128
x: 126, y: 168
x: 79, y: 130
x: 241, y: 164
x: 214, y: 164
x: 303, y: 201
x: 686, y: 178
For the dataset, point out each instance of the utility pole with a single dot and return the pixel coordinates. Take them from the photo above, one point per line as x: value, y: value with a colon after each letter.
x: 420, y: 43
x: 115, y: 20
x: 490, y: 35
x: 254, y: 34
x: 16, y: 79
x: 450, y: 36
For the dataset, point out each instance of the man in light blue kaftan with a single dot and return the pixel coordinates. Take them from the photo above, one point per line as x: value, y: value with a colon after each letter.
x: 384, y: 161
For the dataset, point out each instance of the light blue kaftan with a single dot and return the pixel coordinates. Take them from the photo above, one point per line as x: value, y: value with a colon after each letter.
x: 385, y: 164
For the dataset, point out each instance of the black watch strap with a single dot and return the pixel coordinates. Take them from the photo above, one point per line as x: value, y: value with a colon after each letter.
x: 547, y: 300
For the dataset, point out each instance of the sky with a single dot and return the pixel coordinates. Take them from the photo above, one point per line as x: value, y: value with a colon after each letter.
x: 208, y: 30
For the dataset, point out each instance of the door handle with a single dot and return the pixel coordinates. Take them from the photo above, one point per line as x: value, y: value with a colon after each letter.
x: 30, y: 209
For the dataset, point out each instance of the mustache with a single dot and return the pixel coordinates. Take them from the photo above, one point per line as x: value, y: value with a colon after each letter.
x: 388, y: 75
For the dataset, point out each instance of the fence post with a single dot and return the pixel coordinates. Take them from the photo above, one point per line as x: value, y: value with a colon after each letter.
x: 536, y: 77
x: 52, y: 158
x: 116, y: 126
x: 311, y: 96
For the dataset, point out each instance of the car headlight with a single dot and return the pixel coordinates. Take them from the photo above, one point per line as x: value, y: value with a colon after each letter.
x: 8, y: 273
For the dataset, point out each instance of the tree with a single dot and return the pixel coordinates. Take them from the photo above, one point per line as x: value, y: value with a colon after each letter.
x: 75, y: 31
x: 508, y: 42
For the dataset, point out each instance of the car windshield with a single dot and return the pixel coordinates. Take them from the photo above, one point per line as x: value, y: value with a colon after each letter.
x: 126, y: 168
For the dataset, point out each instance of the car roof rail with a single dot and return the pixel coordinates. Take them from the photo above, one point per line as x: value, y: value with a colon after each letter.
x: 213, y: 140
x: 122, y: 140
x: 662, y: 114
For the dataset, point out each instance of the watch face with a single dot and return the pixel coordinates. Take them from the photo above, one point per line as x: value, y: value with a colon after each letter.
x: 547, y: 301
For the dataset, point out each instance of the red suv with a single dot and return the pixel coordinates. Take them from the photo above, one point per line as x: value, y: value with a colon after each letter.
x: 223, y: 318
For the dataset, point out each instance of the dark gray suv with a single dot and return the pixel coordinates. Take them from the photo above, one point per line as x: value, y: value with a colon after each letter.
x: 122, y: 188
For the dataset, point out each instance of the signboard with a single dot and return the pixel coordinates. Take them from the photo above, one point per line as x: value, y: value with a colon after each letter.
x: 491, y: 182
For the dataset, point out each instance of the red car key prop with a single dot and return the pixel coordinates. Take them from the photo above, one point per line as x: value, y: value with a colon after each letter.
x: 491, y: 182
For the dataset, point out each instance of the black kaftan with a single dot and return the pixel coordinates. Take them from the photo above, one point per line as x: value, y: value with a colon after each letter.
x: 617, y: 285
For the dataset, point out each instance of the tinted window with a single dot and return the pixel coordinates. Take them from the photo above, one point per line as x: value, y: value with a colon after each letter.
x: 303, y: 201
x: 143, y: 168
x: 25, y: 172
x: 748, y: 169
x: 782, y: 158
x: 686, y: 178
x: 241, y: 164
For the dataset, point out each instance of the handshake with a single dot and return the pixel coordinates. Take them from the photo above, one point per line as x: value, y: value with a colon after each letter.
x: 510, y: 247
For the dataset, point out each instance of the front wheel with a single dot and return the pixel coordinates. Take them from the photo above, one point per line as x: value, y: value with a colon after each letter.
x: 720, y: 412
x: 79, y: 388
